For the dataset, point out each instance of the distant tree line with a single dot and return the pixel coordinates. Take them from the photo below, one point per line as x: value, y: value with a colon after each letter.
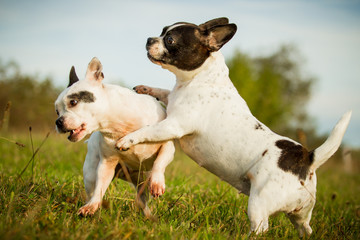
x: 276, y: 89
x: 31, y: 99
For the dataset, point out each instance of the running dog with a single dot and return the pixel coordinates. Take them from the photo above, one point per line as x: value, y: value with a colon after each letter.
x: 109, y: 112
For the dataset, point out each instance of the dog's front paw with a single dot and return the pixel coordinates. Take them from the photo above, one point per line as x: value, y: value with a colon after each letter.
x: 88, y: 209
x: 124, y: 143
x: 157, y: 184
x: 142, y: 89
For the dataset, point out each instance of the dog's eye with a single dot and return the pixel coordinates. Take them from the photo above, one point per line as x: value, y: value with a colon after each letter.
x: 169, y: 40
x: 57, y: 112
x: 73, y: 102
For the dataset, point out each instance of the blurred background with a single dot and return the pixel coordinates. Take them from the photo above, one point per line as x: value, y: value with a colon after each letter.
x: 296, y: 63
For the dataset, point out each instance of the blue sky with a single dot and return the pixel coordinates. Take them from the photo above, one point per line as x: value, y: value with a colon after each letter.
x: 48, y: 37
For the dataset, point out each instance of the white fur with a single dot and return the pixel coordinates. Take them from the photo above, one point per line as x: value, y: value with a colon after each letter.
x: 115, y: 112
x: 217, y: 130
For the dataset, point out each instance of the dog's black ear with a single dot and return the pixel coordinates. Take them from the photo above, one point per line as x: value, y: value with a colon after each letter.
x: 213, y: 22
x: 73, y: 78
x: 216, y: 36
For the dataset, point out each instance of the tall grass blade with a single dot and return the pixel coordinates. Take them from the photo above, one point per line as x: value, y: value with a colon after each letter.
x: 32, y: 157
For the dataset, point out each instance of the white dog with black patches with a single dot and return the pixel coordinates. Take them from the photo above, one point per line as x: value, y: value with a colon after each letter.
x: 112, y: 111
x: 217, y: 130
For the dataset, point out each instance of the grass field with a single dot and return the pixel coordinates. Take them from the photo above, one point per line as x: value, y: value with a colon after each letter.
x: 43, y: 201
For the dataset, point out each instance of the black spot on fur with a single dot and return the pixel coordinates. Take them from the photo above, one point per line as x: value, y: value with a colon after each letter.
x: 263, y: 154
x: 258, y: 126
x: 83, y: 96
x: 294, y: 158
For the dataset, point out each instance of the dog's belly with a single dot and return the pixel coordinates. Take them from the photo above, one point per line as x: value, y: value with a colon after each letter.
x: 145, y: 154
x: 227, y: 160
x: 139, y: 156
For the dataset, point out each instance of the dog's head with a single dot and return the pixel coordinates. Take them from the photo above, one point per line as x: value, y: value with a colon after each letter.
x: 77, y: 106
x: 186, y: 46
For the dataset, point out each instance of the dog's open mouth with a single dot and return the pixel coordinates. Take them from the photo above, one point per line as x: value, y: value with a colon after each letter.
x: 154, y: 60
x: 75, y: 134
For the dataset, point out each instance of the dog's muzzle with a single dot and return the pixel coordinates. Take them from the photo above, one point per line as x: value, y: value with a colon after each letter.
x: 60, y: 124
x: 150, y: 41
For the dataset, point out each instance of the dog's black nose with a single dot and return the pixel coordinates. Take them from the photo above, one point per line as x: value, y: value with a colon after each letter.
x: 150, y: 41
x: 60, y: 122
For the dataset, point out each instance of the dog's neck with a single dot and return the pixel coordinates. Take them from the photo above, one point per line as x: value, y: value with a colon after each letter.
x: 212, y: 70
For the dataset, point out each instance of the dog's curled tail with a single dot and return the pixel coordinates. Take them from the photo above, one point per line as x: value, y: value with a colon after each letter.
x: 332, y: 143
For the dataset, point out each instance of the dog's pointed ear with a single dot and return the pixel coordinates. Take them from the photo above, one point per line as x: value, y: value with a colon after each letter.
x: 213, y: 22
x: 216, y: 36
x: 94, y: 71
x: 73, y: 78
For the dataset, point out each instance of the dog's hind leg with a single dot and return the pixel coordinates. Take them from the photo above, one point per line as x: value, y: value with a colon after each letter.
x: 139, y: 181
x: 258, y: 203
x: 141, y: 184
x: 301, y: 218
x: 258, y: 215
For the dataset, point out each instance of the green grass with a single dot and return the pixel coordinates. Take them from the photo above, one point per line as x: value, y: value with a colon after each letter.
x: 42, y: 202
